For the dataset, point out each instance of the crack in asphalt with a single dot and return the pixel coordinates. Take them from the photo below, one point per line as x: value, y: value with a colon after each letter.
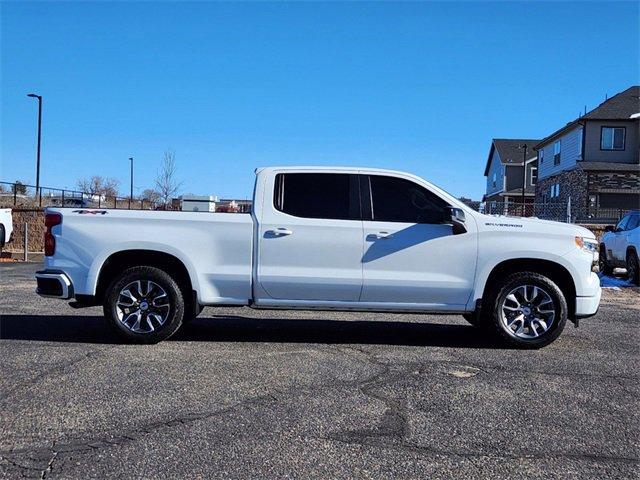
x: 423, y: 449
x: 58, y: 368
x: 44, y: 472
x: 390, y: 432
x: 394, y: 427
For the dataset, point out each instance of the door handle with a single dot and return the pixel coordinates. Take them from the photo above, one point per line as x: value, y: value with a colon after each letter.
x: 379, y: 236
x: 279, y: 232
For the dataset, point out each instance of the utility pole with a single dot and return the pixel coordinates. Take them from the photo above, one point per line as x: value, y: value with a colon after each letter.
x: 131, y: 193
x: 39, y: 97
x: 131, y: 160
x: 524, y: 174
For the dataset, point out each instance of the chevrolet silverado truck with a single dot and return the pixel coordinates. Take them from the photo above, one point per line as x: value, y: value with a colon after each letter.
x: 325, y: 238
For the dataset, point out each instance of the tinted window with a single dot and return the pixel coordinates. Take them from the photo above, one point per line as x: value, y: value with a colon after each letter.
x: 399, y: 200
x: 317, y: 195
x: 634, y: 221
x: 623, y: 223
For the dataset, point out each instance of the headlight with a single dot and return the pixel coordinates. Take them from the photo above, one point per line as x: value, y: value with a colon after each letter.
x: 587, y: 244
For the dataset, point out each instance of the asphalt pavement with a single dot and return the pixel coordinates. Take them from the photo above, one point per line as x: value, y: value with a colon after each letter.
x: 241, y: 393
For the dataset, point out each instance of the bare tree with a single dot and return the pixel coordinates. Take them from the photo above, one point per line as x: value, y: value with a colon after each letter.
x: 150, y: 195
x: 167, y: 185
x: 98, y: 185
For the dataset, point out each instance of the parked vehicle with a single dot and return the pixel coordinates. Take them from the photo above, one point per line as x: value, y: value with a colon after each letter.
x: 620, y: 246
x: 325, y: 238
x: 6, y: 226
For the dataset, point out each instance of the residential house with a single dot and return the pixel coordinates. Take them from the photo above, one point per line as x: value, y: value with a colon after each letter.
x: 594, y: 160
x: 505, y: 169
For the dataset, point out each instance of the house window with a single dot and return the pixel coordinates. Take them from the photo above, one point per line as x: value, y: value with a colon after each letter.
x: 555, y: 190
x: 541, y: 155
x: 612, y: 138
x: 580, y: 140
x: 556, y: 152
x: 534, y: 175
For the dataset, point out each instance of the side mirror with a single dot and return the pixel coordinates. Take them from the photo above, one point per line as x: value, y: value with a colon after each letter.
x: 609, y: 228
x: 457, y: 219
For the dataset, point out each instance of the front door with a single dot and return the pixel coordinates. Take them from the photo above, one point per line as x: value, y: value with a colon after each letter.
x: 310, y: 238
x: 412, y: 257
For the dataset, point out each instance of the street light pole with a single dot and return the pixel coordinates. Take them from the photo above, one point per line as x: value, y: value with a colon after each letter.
x: 131, y: 193
x: 131, y: 160
x: 39, y: 97
x: 524, y: 174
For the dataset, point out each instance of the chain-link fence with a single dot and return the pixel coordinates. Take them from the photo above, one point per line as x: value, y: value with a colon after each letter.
x: 28, y: 196
x: 19, y: 195
x: 557, y: 211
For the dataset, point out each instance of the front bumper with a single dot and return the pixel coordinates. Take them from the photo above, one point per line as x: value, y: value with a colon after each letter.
x: 54, y: 284
x: 588, y: 306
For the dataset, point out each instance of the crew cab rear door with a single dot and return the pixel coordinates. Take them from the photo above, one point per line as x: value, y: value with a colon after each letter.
x: 310, y: 238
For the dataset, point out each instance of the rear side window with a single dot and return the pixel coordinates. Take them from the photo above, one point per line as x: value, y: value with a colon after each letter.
x: 399, y: 200
x: 318, y: 195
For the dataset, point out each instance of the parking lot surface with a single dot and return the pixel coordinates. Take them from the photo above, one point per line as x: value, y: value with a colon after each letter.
x: 241, y: 393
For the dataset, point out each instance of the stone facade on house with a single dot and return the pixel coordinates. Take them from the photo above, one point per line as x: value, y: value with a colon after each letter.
x: 614, y: 181
x: 571, y: 184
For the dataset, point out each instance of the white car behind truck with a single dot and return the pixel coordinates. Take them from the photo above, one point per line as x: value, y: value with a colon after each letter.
x: 6, y: 226
x: 620, y: 245
x: 325, y: 238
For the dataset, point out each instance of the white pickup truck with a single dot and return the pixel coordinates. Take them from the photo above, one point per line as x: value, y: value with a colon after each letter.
x: 325, y: 238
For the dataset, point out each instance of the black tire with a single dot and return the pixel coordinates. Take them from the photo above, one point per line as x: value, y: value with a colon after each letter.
x: 493, y: 308
x: 173, y: 298
x: 473, y: 319
x: 633, y: 270
x: 2, y: 236
x: 193, y: 316
x: 603, y: 263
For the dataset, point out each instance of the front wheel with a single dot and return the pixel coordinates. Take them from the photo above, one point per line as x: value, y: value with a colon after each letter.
x: 527, y: 310
x: 633, y: 271
x: 144, y: 305
x: 603, y: 264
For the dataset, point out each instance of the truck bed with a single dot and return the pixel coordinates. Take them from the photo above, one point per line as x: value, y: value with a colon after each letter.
x: 216, y: 248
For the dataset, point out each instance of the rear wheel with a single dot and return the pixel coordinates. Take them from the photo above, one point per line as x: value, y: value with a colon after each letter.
x: 633, y: 271
x: 144, y: 305
x: 603, y: 263
x: 527, y: 310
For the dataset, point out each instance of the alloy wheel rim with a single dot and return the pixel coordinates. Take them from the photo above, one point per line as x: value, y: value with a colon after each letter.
x: 527, y: 312
x: 142, y: 306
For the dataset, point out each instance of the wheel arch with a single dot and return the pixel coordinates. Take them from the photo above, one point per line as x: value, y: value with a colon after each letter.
x: 553, y: 270
x: 123, y: 259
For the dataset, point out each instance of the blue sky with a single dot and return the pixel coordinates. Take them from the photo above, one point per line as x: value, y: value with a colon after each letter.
x: 421, y: 87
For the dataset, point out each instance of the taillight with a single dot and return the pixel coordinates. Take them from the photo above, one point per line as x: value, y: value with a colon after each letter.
x: 50, y: 221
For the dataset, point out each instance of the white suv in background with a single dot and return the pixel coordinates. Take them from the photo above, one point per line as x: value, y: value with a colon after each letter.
x: 6, y: 226
x: 619, y: 246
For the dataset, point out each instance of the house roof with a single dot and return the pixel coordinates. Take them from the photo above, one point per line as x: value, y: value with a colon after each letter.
x: 610, y: 166
x: 619, y: 107
x: 510, y: 151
